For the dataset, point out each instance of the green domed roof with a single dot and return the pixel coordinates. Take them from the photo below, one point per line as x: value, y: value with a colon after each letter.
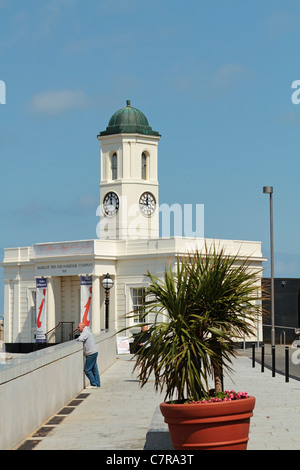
x: 128, y: 120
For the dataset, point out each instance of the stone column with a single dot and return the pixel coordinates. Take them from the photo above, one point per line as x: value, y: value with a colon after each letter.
x: 15, y: 338
x: 7, y: 310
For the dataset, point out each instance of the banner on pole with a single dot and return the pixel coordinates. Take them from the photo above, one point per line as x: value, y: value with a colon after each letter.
x: 41, y: 309
x: 85, y: 299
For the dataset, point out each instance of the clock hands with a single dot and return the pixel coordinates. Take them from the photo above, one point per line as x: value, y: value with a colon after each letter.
x: 111, y: 204
x: 147, y: 203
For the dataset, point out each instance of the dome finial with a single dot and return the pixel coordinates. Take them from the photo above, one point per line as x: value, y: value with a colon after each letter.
x: 127, y: 102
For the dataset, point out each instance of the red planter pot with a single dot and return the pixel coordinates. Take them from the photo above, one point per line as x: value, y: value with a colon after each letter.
x: 209, y: 426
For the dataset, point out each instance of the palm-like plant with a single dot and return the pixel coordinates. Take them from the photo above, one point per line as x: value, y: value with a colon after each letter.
x: 208, y: 303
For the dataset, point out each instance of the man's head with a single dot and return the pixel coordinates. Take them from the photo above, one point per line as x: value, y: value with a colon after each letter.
x: 80, y: 327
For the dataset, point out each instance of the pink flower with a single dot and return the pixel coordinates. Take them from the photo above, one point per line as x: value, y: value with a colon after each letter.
x: 228, y: 395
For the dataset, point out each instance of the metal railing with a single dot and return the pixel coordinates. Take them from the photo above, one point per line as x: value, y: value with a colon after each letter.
x: 282, y: 333
x: 61, y: 335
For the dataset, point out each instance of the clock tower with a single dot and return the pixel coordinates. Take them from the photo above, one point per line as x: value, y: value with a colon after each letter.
x: 129, y: 184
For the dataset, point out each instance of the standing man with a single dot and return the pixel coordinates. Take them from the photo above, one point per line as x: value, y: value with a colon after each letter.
x: 91, y: 354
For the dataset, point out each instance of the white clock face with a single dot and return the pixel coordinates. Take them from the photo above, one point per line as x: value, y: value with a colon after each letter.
x: 147, y: 203
x: 111, y: 203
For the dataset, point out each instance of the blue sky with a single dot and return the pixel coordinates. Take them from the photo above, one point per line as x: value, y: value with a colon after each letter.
x: 213, y: 77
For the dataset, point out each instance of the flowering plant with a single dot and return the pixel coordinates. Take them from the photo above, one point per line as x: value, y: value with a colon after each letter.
x: 227, y: 395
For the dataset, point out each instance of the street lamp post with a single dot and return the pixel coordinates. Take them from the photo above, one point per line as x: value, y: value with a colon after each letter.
x: 269, y: 190
x: 107, y: 284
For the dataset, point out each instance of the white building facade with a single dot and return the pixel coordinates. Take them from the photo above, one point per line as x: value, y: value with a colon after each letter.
x: 128, y: 246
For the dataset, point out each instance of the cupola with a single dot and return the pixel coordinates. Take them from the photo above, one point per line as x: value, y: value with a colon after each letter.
x: 128, y: 120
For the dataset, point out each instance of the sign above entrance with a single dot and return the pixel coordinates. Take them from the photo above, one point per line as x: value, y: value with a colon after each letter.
x: 47, y: 250
x: 64, y: 269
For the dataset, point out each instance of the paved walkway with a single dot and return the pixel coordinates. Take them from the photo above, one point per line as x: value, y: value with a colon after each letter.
x: 275, y: 424
x: 114, y: 417
x: 119, y: 414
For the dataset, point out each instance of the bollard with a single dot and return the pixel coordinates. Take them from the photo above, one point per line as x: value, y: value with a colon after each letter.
x: 262, y: 357
x: 287, y: 370
x: 273, y: 361
x: 253, y: 354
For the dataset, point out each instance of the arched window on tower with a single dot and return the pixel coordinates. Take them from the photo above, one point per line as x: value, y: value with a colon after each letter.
x: 144, y: 166
x: 114, y: 166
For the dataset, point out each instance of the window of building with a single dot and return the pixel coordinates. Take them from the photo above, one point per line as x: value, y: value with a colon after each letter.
x: 138, y: 297
x: 114, y: 166
x: 144, y: 166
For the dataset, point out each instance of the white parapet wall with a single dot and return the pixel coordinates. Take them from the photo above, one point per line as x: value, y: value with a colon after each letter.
x: 35, y: 386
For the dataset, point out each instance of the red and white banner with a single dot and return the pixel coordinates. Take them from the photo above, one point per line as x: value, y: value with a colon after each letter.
x: 41, y: 309
x: 86, y: 299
